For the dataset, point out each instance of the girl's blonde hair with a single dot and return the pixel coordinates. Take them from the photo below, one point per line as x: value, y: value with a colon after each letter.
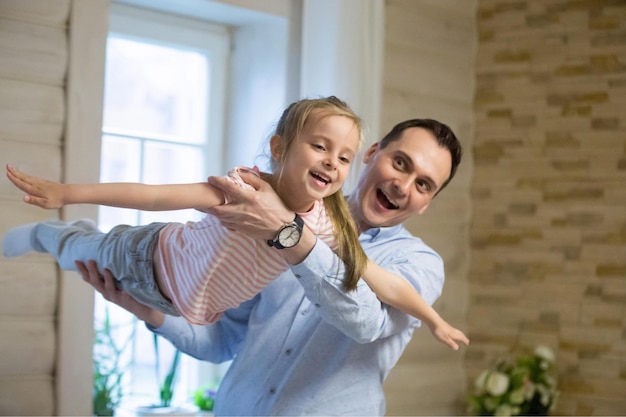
x: 289, y: 127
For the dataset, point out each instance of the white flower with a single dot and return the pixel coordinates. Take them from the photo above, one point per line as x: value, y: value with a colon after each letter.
x: 479, y: 384
x: 517, y: 396
x: 497, y: 383
x: 509, y: 388
x: 503, y: 410
x: 544, y: 352
x: 490, y: 403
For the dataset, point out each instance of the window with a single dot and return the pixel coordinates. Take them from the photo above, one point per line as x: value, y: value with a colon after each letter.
x: 163, y: 123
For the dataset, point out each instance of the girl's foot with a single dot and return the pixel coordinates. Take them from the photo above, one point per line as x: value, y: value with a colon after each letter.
x: 17, y: 241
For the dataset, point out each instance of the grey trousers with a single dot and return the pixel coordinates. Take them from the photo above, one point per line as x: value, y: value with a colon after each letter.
x: 127, y: 251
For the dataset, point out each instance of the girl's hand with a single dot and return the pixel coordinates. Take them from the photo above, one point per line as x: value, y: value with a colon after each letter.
x: 448, y: 335
x: 39, y: 192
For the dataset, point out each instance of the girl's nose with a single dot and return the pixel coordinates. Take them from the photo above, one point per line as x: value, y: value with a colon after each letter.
x: 329, y: 162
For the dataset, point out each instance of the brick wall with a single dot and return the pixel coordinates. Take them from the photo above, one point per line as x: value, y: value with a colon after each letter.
x: 548, y: 230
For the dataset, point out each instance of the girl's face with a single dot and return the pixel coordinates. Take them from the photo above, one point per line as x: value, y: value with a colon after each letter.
x: 318, y: 162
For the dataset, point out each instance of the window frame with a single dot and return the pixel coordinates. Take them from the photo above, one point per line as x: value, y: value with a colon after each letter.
x: 87, y: 37
x: 202, y: 36
x: 140, y: 24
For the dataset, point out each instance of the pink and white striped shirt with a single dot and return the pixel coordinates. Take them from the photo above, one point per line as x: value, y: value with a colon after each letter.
x: 209, y: 269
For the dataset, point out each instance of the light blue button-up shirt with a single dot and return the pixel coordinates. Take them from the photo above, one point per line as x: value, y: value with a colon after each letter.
x: 303, y: 346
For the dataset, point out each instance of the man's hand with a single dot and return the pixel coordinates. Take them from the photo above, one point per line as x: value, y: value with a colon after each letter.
x: 259, y: 214
x: 105, y: 285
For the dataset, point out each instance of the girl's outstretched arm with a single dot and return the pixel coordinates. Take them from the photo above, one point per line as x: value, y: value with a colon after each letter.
x: 397, y: 292
x: 53, y: 195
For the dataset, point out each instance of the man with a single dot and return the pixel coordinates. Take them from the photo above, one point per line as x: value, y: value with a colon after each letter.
x: 304, y: 346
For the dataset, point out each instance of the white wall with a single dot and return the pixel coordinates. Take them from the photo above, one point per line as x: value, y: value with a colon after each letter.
x: 258, y: 86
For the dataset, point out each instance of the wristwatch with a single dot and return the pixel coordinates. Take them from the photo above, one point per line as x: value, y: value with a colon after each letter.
x: 288, y: 235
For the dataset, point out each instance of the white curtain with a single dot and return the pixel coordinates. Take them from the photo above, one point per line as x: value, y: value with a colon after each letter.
x: 342, y: 55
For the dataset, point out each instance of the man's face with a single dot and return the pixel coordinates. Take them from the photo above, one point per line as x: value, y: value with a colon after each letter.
x: 399, y: 180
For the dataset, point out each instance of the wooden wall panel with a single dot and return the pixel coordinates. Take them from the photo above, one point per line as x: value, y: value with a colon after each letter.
x: 33, y: 68
x: 32, y: 52
x: 48, y: 12
x: 25, y: 103
x: 30, y: 349
x: 26, y: 396
x: 27, y: 285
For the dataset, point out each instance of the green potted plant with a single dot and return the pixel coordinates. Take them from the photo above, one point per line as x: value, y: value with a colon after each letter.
x: 166, y: 390
x: 524, y: 386
x: 108, y: 367
x: 166, y: 387
x: 204, y: 399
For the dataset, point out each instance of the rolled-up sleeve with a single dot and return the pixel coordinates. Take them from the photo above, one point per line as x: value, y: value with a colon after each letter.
x: 359, y: 314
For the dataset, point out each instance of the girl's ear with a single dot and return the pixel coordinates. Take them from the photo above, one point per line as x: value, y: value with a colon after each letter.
x: 276, y: 147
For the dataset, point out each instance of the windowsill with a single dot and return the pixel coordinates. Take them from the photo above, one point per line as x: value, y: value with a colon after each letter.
x: 139, y: 411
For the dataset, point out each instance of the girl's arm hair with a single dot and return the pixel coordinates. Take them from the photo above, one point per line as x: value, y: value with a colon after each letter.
x: 53, y: 195
x: 397, y: 292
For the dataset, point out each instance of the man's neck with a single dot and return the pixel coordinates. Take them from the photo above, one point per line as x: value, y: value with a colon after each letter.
x: 354, y: 210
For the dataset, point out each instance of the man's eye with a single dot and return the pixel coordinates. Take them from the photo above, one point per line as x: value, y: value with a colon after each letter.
x: 398, y: 162
x: 423, y: 185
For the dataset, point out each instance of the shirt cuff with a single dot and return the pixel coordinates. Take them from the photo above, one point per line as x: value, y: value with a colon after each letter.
x: 322, y: 264
x: 169, y: 325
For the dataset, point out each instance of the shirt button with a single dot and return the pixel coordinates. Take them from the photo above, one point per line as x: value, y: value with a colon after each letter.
x: 272, y: 391
x: 288, y: 352
x: 303, y: 312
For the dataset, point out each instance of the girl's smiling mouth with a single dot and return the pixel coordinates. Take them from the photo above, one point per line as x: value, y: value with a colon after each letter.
x: 321, y: 178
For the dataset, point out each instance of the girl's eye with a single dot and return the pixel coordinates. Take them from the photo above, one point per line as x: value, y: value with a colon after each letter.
x: 318, y: 147
x: 344, y: 160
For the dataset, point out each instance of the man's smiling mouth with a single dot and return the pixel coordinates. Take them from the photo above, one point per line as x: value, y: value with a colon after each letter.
x: 384, y: 200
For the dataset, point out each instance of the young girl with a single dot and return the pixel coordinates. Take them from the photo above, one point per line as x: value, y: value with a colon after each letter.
x: 199, y: 270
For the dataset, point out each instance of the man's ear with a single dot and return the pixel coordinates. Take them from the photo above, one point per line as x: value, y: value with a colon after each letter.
x: 276, y: 147
x: 367, y: 155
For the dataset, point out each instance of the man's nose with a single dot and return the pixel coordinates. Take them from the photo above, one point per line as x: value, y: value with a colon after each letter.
x: 403, y: 185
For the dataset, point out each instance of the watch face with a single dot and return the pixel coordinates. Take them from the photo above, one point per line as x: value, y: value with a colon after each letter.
x: 289, y: 236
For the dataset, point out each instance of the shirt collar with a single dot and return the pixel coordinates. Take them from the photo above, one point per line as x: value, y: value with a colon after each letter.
x: 382, y: 232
